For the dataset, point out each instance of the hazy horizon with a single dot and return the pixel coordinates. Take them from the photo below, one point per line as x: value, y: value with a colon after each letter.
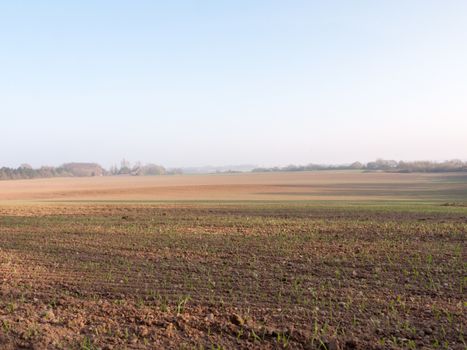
x: 226, y: 167
x: 266, y: 83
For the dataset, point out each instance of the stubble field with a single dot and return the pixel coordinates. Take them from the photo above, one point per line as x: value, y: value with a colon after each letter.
x: 315, y: 261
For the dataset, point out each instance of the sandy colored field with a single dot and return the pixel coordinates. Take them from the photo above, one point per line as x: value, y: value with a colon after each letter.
x: 257, y: 186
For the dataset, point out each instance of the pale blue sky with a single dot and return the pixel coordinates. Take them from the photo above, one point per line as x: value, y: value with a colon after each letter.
x: 217, y: 82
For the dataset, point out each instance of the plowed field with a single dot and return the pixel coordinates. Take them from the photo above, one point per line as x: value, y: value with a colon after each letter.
x: 236, y: 274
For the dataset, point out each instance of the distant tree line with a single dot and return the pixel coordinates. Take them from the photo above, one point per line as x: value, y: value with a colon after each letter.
x: 139, y: 169
x: 379, y: 165
x: 25, y: 171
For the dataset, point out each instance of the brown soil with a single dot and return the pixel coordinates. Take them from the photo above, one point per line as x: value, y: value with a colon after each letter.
x: 265, y: 186
x: 232, y: 276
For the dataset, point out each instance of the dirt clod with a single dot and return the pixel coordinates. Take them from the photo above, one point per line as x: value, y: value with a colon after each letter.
x: 237, y: 320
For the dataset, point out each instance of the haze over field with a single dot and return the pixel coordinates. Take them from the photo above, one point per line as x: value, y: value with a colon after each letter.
x: 189, y: 83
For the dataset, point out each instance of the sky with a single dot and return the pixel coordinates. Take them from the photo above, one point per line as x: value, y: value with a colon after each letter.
x: 217, y: 82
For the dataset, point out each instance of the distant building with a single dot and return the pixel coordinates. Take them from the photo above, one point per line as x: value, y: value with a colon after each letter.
x: 356, y: 165
x: 83, y: 169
